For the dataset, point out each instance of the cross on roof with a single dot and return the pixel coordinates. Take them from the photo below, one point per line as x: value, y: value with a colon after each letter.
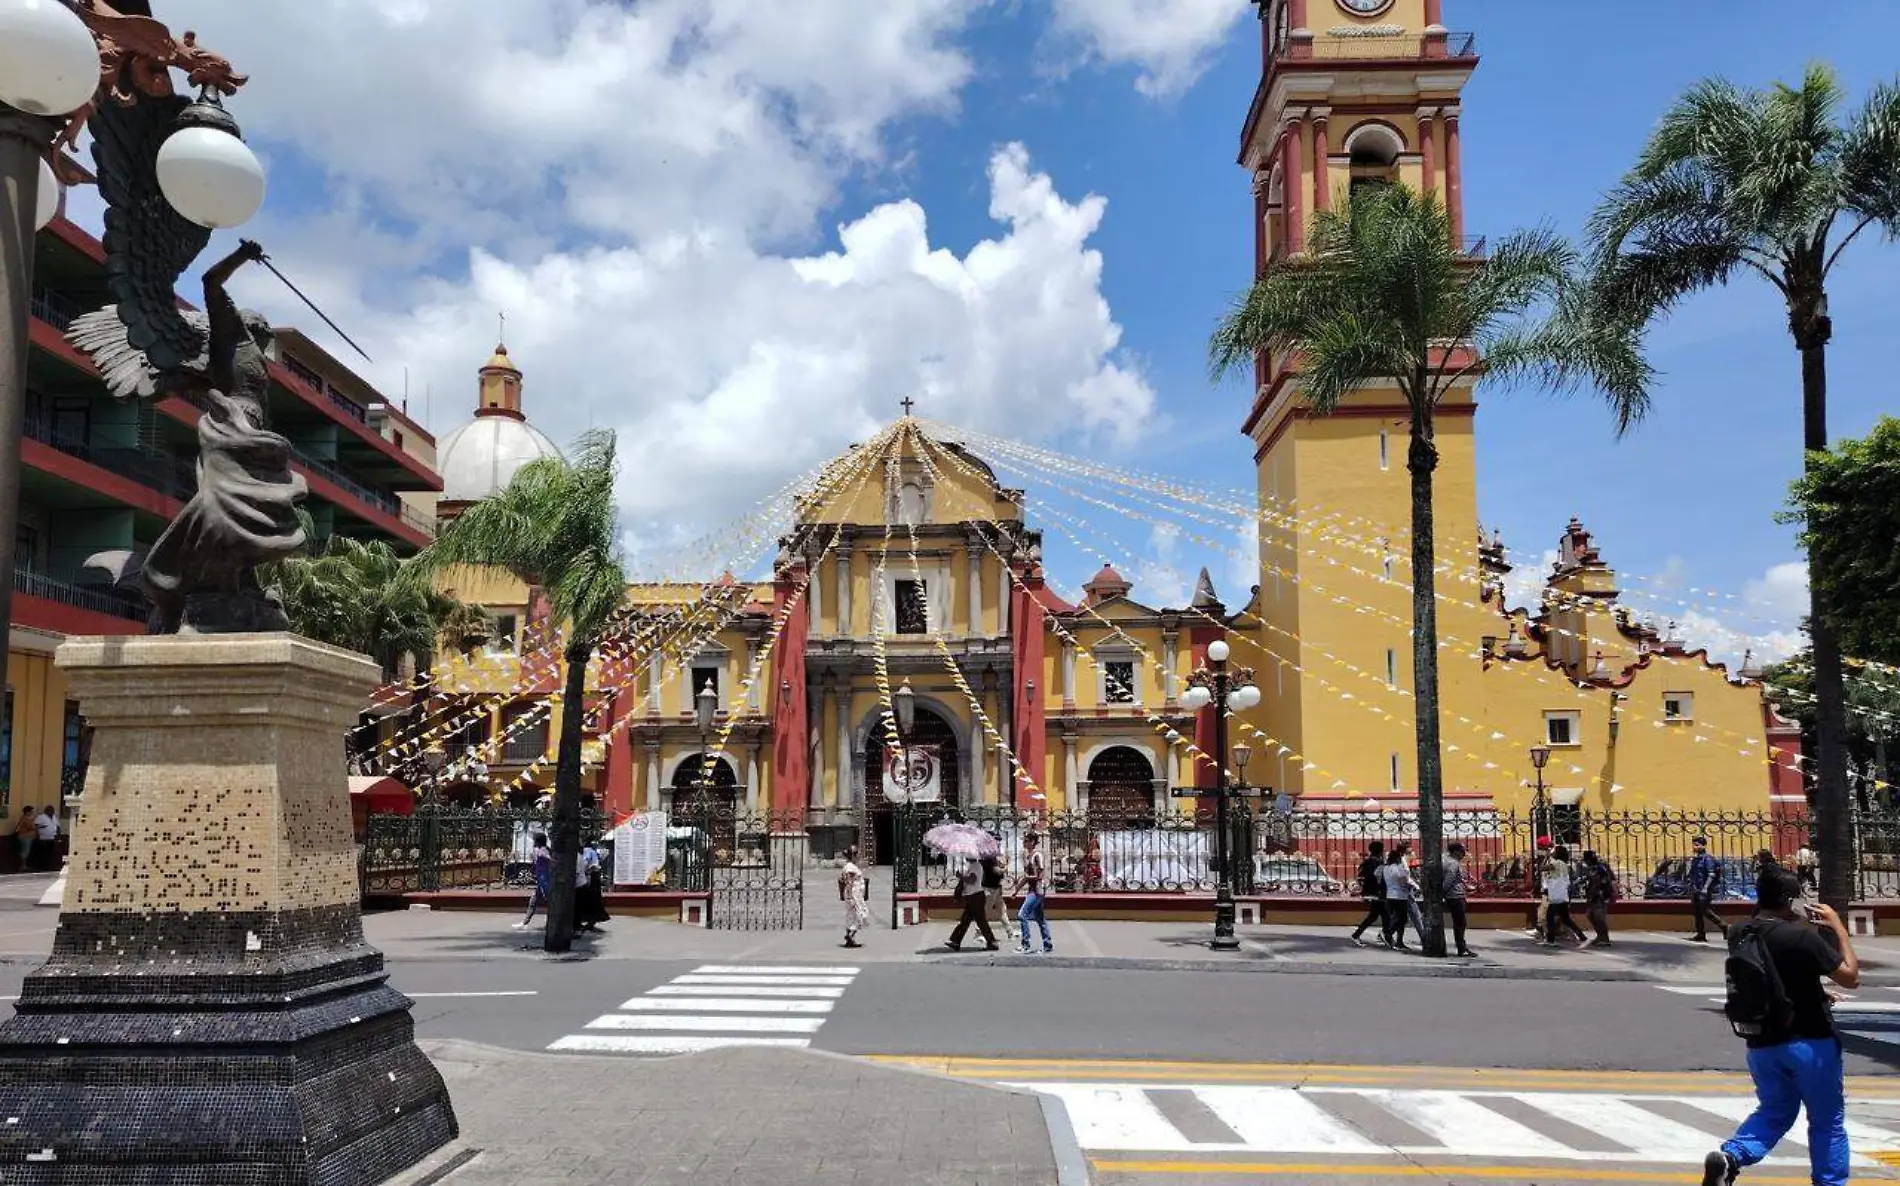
x: 907, y: 403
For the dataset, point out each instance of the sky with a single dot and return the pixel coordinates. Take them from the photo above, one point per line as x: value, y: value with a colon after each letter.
x: 737, y: 233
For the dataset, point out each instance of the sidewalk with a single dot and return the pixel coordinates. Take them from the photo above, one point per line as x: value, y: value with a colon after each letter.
x: 744, y: 1116
x: 1167, y: 946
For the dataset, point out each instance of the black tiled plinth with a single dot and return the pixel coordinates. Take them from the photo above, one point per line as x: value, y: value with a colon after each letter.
x: 165, y: 1049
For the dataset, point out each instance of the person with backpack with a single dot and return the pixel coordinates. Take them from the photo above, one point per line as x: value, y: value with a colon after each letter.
x: 1778, y: 1004
x: 1371, y: 892
x: 1557, y: 878
x: 1599, y: 890
x: 1705, y: 881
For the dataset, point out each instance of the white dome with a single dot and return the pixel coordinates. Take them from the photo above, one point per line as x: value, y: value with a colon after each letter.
x: 480, y: 458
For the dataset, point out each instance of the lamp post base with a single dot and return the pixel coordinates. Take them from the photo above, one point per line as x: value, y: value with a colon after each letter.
x: 1224, y: 937
x: 211, y: 1012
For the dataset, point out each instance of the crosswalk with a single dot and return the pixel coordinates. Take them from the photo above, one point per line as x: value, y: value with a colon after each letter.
x: 718, y: 1005
x: 1873, y: 1014
x: 1215, y: 1119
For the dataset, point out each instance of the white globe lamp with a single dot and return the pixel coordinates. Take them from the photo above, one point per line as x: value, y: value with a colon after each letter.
x: 49, y: 63
x: 1248, y: 695
x: 1217, y: 651
x: 1196, y: 698
x: 207, y: 173
x: 47, y: 203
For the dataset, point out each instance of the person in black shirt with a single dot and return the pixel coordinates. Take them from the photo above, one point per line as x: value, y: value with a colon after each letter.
x: 1800, y: 1068
x: 1371, y: 891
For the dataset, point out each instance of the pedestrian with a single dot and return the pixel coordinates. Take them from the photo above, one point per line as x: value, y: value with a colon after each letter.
x: 993, y: 871
x: 855, y: 892
x: 25, y: 832
x: 1455, y: 888
x: 1705, y: 881
x: 1034, y: 884
x: 1805, y: 870
x: 1397, y: 876
x: 970, y: 893
x: 590, y: 900
x: 1599, y: 890
x: 46, y: 836
x: 542, y: 863
x: 1557, y: 878
x: 1538, y: 896
x: 1782, y: 1009
x: 1371, y: 892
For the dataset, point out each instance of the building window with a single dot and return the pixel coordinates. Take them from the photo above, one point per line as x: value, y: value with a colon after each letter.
x: 1385, y: 565
x: 704, y: 674
x: 1385, y: 449
x: 26, y: 549
x: 1566, y: 822
x: 1395, y: 772
x: 505, y: 627
x: 72, y: 754
x: 1678, y: 706
x: 1563, y: 728
x: 1119, y: 677
x: 913, y: 614
x: 525, y: 727
x: 1391, y: 668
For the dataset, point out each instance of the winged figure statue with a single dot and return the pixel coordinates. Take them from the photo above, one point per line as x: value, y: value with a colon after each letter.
x: 201, y: 575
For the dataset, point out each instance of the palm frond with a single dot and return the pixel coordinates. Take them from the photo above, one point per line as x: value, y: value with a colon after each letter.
x: 1870, y: 159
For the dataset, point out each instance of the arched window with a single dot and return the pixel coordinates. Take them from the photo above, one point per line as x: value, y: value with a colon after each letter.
x: 1121, y: 788
x: 1373, y: 150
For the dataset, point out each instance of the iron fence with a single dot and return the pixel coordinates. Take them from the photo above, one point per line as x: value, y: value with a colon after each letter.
x: 1086, y: 851
x: 439, y: 847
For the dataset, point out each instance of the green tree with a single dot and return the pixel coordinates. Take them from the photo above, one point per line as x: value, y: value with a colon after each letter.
x: 1384, y: 293
x: 1873, y: 712
x: 362, y: 596
x: 1848, y: 506
x: 1772, y: 183
x: 554, y: 526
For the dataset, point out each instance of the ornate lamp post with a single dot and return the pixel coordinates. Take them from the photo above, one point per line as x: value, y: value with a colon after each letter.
x: 1540, y: 809
x: 1233, y: 692
x: 705, y: 711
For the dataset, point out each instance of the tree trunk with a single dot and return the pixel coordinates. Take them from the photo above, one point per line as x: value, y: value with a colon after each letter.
x: 1833, y: 824
x: 1422, y: 460
x: 567, y: 799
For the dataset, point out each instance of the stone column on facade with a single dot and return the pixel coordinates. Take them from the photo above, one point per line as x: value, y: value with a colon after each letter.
x: 1428, y: 149
x: 1068, y: 674
x: 980, y: 787
x: 652, y: 745
x: 847, y: 777
x: 844, y: 590
x: 752, y: 693
x: 1170, y: 645
x: 1290, y: 195
x: 815, y: 743
x: 1005, y: 594
x: 973, y: 605
x: 1074, y: 793
x: 752, y: 775
x: 656, y: 675
x: 1454, y: 187
x: 1322, y: 162
x: 814, y: 594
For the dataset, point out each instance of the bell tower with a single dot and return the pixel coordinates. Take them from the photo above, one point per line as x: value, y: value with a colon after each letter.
x: 1355, y: 93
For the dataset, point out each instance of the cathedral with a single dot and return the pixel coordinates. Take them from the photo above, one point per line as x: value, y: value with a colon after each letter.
x: 912, y: 573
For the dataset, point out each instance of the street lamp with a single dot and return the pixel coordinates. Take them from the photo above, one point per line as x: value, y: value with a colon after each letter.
x: 1540, y: 754
x: 49, y: 64
x: 1235, y: 692
x: 906, y: 702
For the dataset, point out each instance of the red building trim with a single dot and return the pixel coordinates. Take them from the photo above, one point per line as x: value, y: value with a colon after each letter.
x: 41, y: 614
x: 48, y: 460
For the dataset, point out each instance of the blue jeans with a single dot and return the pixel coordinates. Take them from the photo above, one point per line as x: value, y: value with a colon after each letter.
x: 1803, y: 1073
x: 1032, y: 907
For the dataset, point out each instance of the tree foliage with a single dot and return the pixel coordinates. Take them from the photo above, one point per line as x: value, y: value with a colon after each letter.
x: 1848, y: 506
x: 361, y: 596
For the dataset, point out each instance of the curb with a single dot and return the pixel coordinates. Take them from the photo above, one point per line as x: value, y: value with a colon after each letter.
x: 1420, y: 968
x: 1072, y: 1168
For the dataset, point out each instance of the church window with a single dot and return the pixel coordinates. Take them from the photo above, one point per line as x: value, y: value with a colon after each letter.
x: 913, y: 613
x: 1395, y: 772
x: 1391, y: 668
x: 1385, y: 449
x: 1373, y: 151
x: 704, y: 674
x: 1119, y: 676
x: 1563, y: 728
x: 1678, y: 706
x: 505, y: 627
x: 910, y: 504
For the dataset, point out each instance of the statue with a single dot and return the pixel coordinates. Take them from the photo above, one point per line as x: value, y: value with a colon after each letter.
x: 201, y: 575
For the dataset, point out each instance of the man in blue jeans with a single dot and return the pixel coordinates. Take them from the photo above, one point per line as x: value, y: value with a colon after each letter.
x: 1034, y: 883
x: 1801, y: 1067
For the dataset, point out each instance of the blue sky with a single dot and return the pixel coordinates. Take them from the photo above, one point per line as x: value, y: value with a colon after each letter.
x: 739, y: 233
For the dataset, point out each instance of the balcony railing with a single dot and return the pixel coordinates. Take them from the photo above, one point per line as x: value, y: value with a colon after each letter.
x: 348, y: 406
x: 53, y: 309
x: 383, y: 502
x: 1401, y: 46
x: 100, y: 601
x: 150, y: 467
x: 420, y: 522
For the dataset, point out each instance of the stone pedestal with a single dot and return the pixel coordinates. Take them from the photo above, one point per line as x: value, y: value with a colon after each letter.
x: 211, y: 1014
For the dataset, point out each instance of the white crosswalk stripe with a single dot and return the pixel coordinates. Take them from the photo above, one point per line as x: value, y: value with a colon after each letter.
x: 718, y: 1005
x: 1872, y: 1014
x: 1133, y: 1118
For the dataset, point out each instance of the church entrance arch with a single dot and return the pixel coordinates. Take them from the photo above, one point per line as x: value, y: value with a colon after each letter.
x: 1121, y: 788
x: 930, y: 728
x: 709, y: 807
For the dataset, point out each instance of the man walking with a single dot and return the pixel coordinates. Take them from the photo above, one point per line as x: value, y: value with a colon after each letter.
x: 1599, y: 890
x: 1805, y: 870
x: 1705, y: 881
x: 25, y: 832
x: 46, y: 831
x: 1372, y: 893
x: 1454, y: 892
x: 1794, y: 1053
x: 1034, y: 886
x: 975, y: 907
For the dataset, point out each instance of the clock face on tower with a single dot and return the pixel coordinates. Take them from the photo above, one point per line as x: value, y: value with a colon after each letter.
x: 1364, y: 7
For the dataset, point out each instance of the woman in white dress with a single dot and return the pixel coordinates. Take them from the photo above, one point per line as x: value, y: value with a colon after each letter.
x: 854, y: 890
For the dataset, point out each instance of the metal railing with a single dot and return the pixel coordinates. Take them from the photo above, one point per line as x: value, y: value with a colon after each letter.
x: 102, y: 601
x: 420, y: 522
x: 161, y: 471
x: 383, y: 502
x: 53, y: 309
x: 440, y: 847
x: 319, y: 386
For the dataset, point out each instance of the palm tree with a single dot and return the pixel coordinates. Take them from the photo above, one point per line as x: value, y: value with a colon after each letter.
x: 359, y: 595
x: 554, y: 526
x: 1768, y: 182
x: 1383, y: 293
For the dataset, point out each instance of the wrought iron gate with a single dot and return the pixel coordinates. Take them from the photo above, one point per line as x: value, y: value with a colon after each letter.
x: 751, y: 865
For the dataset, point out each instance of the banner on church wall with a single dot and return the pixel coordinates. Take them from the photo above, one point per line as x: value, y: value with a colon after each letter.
x: 640, y: 848
x: 913, y: 774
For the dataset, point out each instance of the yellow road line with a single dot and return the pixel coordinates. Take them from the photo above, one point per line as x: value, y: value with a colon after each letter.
x: 1520, y: 1173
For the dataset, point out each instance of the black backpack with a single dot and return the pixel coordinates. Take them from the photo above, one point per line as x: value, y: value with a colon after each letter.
x: 1371, y: 884
x: 1758, y: 1004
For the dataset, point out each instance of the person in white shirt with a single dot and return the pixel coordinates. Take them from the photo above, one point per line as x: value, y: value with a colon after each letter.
x: 48, y: 826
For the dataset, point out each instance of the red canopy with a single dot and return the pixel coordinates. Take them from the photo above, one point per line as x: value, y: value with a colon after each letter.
x: 382, y: 794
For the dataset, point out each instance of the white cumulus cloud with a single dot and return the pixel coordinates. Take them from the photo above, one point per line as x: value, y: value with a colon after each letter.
x: 1167, y: 41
